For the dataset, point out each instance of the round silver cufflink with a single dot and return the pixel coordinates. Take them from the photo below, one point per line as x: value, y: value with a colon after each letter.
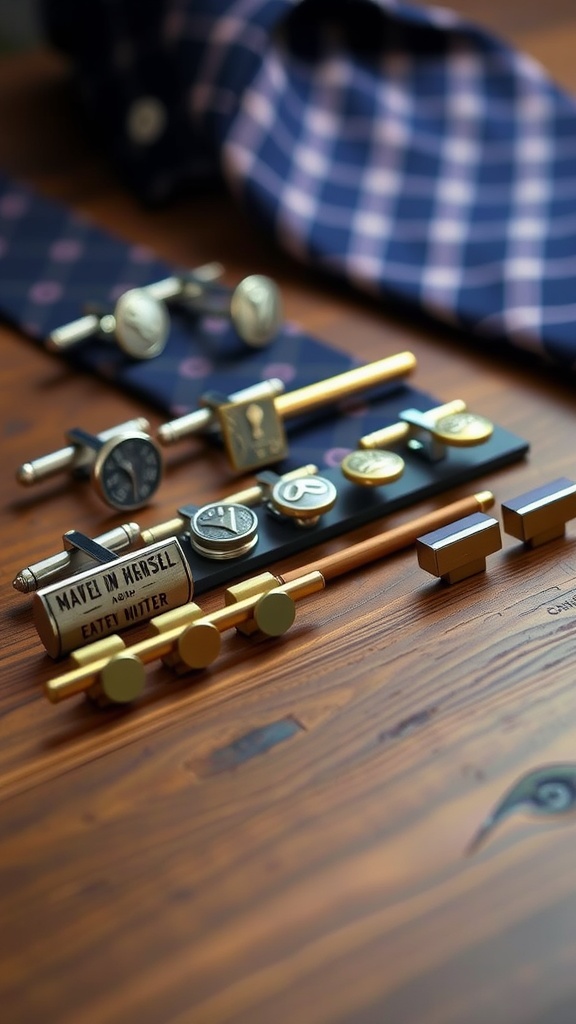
x: 223, y: 530
x: 303, y: 499
x: 139, y: 325
x: 124, y: 463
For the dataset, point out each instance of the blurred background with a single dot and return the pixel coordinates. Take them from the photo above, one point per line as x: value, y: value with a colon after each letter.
x: 19, y: 25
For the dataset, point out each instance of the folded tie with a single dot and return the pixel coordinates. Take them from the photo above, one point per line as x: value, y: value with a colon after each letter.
x: 400, y: 148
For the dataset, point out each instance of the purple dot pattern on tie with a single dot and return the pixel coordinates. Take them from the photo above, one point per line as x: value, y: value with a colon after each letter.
x: 53, y: 262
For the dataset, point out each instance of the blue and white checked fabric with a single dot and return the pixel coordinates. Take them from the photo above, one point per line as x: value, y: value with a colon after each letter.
x: 399, y: 147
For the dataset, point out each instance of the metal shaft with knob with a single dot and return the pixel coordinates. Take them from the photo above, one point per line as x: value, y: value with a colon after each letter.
x: 430, y: 432
x: 109, y: 671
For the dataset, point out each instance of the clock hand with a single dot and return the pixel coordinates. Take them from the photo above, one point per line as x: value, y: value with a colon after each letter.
x: 130, y: 471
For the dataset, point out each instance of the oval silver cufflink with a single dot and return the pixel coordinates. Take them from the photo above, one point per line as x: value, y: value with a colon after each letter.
x: 139, y: 325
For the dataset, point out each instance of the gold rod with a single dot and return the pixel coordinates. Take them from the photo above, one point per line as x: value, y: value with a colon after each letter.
x: 345, y: 384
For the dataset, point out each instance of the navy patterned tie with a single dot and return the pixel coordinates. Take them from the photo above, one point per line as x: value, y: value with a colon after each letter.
x: 399, y: 147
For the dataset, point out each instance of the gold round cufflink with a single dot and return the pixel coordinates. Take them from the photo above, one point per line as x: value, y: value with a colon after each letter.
x: 303, y: 499
x: 463, y: 429
x: 372, y: 467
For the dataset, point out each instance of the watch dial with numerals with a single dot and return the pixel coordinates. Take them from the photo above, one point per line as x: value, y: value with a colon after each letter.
x: 128, y: 470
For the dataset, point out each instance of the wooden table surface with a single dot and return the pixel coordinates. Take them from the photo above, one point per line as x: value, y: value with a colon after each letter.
x: 154, y: 867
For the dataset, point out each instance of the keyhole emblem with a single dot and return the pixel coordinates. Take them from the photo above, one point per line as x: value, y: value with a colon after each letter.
x: 255, y: 416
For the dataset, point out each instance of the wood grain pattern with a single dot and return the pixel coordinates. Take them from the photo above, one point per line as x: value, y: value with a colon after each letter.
x: 282, y: 837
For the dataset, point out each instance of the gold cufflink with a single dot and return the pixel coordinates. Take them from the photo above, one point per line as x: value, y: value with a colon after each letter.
x: 124, y: 463
x: 541, y: 514
x: 459, y: 550
x: 139, y: 325
x: 372, y: 468
x: 252, y: 427
x: 430, y: 433
x: 254, y: 306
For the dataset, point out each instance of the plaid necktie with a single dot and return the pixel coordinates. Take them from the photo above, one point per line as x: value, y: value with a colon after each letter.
x: 399, y: 147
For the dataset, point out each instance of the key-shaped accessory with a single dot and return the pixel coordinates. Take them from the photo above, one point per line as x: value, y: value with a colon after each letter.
x: 124, y: 463
x: 549, y: 790
x: 459, y: 550
x: 254, y: 306
x: 541, y: 514
x: 112, y: 595
x: 139, y: 325
x: 188, y: 638
x: 252, y: 428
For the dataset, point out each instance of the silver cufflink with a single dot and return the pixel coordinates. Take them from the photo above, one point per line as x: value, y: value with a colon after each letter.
x: 254, y: 306
x: 124, y: 463
x: 139, y: 325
